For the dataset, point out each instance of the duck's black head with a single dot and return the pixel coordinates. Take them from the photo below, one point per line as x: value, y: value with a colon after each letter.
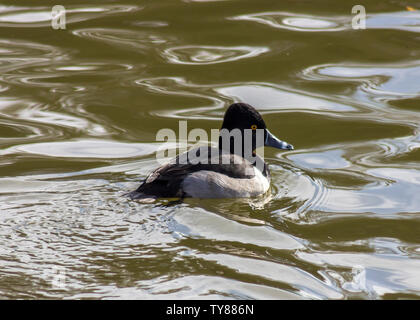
x: 243, y: 116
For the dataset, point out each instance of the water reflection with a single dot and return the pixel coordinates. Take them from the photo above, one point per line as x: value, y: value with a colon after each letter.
x: 298, y: 22
x: 267, y: 97
x: 281, y: 98
x: 331, y: 159
x: 15, y: 54
x: 80, y: 109
x: 402, y: 20
x: 387, y: 80
x: 124, y: 39
x: 41, y: 17
x: 210, y: 54
x: 381, y: 275
x: 85, y: 149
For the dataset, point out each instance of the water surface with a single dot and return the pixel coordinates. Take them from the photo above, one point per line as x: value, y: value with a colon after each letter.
x: 79, y: 113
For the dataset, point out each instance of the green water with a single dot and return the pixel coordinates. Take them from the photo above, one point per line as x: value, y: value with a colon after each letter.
x: 79, y: 113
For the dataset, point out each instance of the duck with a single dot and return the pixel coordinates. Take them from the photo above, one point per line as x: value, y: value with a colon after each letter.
x: 233, y: 170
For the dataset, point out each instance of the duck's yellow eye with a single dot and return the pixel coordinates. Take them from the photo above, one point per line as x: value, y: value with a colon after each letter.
x: 254, y: 127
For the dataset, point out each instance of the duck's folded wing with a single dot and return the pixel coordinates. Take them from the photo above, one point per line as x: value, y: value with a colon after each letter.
x: 166, y: 181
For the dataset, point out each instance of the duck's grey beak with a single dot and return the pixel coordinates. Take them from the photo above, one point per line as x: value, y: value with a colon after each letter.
x: 272, y: 141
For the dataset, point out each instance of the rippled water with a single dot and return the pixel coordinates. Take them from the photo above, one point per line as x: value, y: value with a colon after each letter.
x: 79, y: 112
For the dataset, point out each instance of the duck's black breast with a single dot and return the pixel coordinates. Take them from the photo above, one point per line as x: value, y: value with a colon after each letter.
x: 166, y: 181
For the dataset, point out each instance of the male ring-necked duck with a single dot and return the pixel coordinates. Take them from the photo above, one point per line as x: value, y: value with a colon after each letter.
x: 225, y: 173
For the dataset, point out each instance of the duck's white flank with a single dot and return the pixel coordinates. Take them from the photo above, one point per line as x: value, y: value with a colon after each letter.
x: 210, y: 184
